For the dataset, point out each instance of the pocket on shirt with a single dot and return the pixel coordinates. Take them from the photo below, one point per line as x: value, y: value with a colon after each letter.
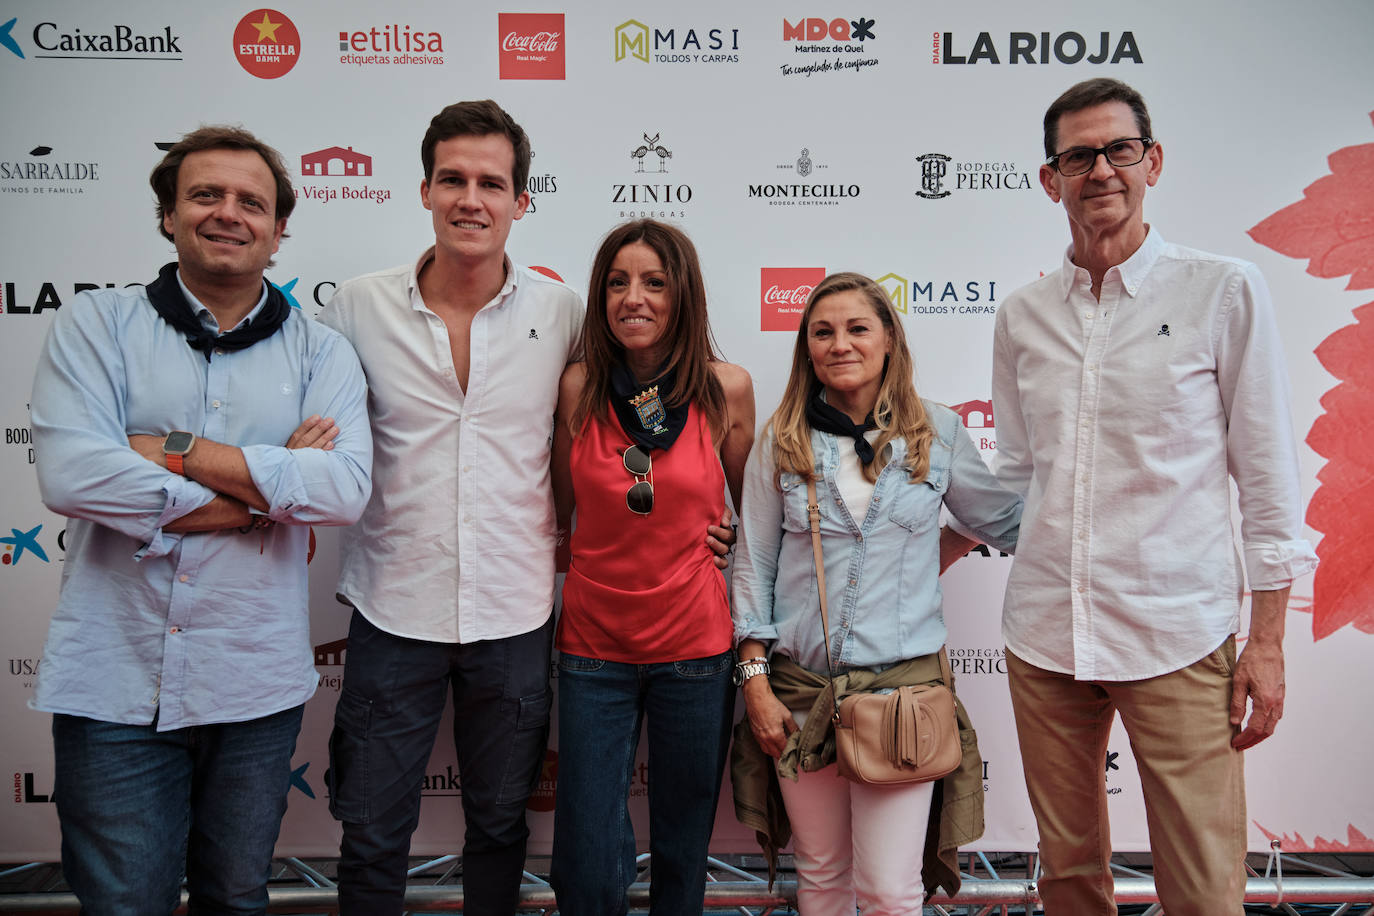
x: 794, y: 502
x: 916, y: 507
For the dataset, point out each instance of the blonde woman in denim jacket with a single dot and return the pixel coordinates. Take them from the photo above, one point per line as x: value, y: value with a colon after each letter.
x: 884, y: 462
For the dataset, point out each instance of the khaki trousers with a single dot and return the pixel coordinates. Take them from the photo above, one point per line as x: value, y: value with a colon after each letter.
x: 1193, y: 783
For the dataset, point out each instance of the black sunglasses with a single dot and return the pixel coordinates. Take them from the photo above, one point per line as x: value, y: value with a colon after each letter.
x: 640, y: 497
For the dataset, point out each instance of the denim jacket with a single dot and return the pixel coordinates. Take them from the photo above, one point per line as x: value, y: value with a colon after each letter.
x: 882, y: 571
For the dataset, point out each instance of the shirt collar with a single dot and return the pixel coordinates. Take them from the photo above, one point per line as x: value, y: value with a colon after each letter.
x: 1132, y: 271
x: 207, y: 317
x: 413, y: 284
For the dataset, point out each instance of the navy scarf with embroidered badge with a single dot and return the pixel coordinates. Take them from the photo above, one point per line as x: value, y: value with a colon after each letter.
x: 640, y: 408
x: 166, y: 296
x: 836, y: 422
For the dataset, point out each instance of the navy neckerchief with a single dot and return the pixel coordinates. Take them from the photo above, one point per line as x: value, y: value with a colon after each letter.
x: 832, y: 420
x: 641, y: 409
x: 166, y: 296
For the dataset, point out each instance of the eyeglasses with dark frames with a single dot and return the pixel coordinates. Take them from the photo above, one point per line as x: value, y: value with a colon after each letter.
x: 640, y: 497
x: 1079, y: 160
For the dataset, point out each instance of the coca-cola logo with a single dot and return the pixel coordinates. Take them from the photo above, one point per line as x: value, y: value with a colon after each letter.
x: 777, y: 295
x: 531, y: 46
x: 783, y: 294
x: 539, y: 41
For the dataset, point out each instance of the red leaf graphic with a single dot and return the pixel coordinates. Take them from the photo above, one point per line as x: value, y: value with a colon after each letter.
x: 1356, y: 841
x: 1333, y: 227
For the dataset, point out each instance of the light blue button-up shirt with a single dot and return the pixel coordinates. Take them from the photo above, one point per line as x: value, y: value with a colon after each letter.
x: 882, y: 571
x: 188, y: 628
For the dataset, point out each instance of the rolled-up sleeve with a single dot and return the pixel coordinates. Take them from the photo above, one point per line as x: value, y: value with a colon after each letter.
x: 1261, y: 448
x: 984, y: 508
x: 85, y: 466
x: 756, y: 557
x: 311, y: 486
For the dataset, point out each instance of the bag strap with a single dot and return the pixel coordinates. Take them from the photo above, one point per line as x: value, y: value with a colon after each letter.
x: 813, y: 514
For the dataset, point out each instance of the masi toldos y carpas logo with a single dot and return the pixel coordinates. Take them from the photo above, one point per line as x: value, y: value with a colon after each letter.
x: 695, y: 44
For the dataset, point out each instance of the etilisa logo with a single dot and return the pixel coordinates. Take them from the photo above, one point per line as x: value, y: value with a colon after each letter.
x: 92, y: 41
x: 647, y: 199
x: 952, y: 298
x: 847, y: 39
x: 1036, y: 48
x: 783, y: 292
x: 42, y: 173
x: 267, y: 44
x: 532, y: 46
x: 342, y: 163
x: 390, y: 45
x: 824, y: 191
x: 709, y: 46
x: 941, y: 175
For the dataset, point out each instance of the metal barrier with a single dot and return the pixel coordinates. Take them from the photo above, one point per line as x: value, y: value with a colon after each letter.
x: 995, y: 894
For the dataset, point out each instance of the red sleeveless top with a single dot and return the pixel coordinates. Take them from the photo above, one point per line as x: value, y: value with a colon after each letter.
x: 644, y: 589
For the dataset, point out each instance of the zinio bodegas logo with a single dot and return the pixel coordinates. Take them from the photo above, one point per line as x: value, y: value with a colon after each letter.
x: 267, y: 44
x: 651, y: 199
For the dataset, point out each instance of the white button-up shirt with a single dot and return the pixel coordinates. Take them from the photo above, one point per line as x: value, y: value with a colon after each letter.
x: 1122, y: 420
x: 457, y: 543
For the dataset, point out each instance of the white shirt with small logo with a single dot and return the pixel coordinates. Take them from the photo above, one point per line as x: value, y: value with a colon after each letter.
x: 1122, y: 422
x: 457, y: 542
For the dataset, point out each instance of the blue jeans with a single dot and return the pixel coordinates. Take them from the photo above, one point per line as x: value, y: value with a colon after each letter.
x: 601, y: 705
x: 385, y: 725
x: 138, y: 807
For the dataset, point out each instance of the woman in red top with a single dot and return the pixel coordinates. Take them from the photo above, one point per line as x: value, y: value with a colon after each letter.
x: 650, y: 429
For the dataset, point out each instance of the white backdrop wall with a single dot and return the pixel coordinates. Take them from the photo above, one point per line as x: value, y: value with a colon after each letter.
x: 1248, y: 98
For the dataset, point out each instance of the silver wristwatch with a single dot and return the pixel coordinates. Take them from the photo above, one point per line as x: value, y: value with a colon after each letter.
x: 750, y: 667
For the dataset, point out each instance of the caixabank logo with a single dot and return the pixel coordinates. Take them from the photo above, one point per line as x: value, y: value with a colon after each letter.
x: 43, y: 170
x: 390, y: 45
x: 267, y: 44
x: 1035, y: 48
x: 806, y: 181
x: 940, y: 296
x: 532, y: 46
x: 813, y: 40
x: 651, y: 193
x: 939, y: 175
x: 21, y: 543
x: 333, y: 167
x: 89, y: 39
x: 709, y: 45
x: 783, y: 292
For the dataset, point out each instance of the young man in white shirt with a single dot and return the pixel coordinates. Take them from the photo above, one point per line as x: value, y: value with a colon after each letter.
x: 450, y: 571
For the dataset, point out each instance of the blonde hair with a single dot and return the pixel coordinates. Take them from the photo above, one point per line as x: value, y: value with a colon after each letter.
x: 898, y: 411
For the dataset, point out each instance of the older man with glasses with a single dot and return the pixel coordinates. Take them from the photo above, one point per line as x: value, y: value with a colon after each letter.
x: 1130, y: 387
